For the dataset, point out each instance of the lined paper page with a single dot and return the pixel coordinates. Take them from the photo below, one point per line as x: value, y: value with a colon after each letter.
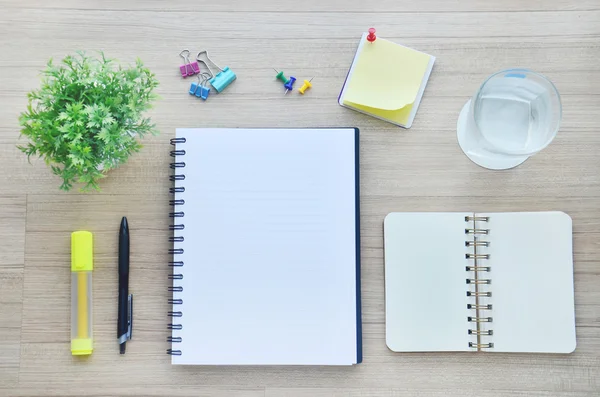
x: 270, y: 252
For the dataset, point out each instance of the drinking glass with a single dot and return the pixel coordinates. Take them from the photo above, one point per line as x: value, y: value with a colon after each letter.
x: 514, y: 114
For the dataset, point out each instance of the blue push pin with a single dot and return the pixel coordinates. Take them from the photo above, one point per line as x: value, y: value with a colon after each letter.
x: 289, y: 85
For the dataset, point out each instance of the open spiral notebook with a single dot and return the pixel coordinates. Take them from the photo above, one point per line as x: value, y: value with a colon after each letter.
x: 464, y: 281
x: 266, y: 261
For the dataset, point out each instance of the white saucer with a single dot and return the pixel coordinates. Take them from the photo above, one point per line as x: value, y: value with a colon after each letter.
x: 481, y: 156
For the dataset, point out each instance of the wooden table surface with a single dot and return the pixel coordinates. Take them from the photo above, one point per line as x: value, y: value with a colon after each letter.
x: 421, y: 169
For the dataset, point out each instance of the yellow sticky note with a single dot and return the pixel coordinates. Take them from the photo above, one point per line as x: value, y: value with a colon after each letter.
x: 385, y: 80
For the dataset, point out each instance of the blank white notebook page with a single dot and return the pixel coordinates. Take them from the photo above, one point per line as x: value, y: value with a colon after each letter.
x: 531, y: 256
x: 270, y: 247
x: 425, y: 282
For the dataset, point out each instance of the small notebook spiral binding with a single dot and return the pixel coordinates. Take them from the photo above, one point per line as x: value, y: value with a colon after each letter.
x: 476, y: 279
x: 176, y: 166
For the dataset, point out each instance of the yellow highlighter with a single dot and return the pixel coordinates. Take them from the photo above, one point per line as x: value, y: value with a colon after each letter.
x: 82, y: 264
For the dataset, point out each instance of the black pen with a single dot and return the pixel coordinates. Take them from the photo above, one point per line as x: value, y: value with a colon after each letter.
x: 124, y: 323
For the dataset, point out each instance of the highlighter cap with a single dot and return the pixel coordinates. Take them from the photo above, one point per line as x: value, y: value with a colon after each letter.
x: 82, y: 258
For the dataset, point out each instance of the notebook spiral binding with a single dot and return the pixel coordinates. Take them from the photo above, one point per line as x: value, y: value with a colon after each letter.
x: 478, y: 281
x: 176, y: 166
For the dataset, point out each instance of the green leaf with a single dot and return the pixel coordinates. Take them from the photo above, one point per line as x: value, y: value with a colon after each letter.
x: 75, y: 160
x: 108, y: 120
x: 104, y: 135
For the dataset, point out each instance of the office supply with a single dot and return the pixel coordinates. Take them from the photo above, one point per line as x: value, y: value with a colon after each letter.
x: 198, y: 88
x: 188, y: 68
x: 125, y: 320
x: 497, y: 282
x: 386, y: 81
x: 307, y: 84
x: 289, y: 85
x: 222, y: 79
x: 203, y: 90
x: 281, y: 77
x: 266, y: 261
x: 371, y: 36
x: 194, y: 87
x: 82, y: 264
x: 513, y: 115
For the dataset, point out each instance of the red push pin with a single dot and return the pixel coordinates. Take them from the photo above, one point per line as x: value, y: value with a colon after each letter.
x: 371, y: 36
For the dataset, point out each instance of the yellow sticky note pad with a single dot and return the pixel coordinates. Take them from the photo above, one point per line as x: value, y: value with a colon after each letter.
x: 386, y: 80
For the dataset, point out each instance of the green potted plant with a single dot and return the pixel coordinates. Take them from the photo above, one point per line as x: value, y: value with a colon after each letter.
x: 87, y: 117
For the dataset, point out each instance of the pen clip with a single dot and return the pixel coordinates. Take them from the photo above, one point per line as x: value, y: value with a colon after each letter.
x: 129, y: 316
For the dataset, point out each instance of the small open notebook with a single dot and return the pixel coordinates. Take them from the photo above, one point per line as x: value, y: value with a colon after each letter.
x: 386, y: 81
x: 498, y: 282
x: 266, y: 261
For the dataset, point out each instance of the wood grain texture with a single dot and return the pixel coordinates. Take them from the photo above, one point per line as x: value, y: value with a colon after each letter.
x: 421, y: 169
x: 12, y: 248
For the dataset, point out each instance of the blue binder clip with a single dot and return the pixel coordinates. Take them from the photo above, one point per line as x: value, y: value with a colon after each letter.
x: 193, y: 88
x: 203, y: 91
x: 221, y: 80
x: 199, y: 89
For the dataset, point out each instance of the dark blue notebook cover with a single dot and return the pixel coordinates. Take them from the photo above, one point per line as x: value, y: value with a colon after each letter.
x: 359, y: 354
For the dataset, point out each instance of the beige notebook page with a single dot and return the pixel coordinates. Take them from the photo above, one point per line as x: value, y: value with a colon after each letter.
x: 531, y: 259
x: 425, y: 282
